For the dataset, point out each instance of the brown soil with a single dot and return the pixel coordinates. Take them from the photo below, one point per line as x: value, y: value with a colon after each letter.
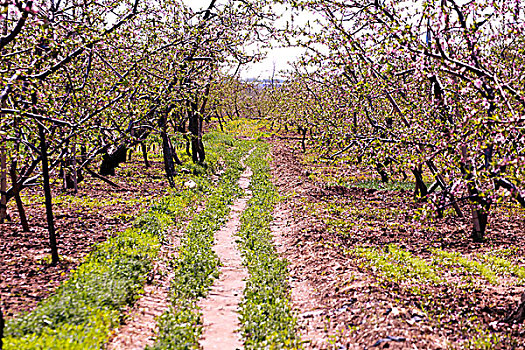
x: 343, y: 303
x: 219, y: 309
x: 140, y: 324
x: 138, y: 331
x: 303, y: 292
x: 82, y: 220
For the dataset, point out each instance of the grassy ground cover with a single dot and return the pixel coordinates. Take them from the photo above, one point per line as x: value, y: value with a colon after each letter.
x: 83, y: 309
x: 400, y: 266
x: 447, y: 286
x: 390, y: 274
x: 266, y: 316
x: 197, y: 264
x: 82, y: 220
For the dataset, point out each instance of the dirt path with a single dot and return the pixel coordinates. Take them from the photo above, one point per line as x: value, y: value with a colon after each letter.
x: 304, y: 297
x: 219, y: 309
x: 138, y: 332
x: 139, y: 329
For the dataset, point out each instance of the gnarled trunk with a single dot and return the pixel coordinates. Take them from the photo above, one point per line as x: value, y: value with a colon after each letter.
x: 421, y: 190
x: 169, y: 155
x: 16, y: 192
x: 480, y: 215
x: 110, y: 161
x: 3, y: 181
x: 145, y: 154
x: 70, y: 174
x: 303, y: 132
x: 381, y: 169
x: 169, y: 166
x: 48, y: 197
x: 195, y: 128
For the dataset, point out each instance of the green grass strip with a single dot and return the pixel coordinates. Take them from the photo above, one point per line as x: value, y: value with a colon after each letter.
x: 400, y: 266
x: 80, y: 314
x: 266, y: 315
x: 454, y: 259
x: 502, y: 266
x: 197, y: 264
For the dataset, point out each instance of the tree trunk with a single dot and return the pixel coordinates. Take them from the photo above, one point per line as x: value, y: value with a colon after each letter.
x: 421, y: 190
x: 167, y: 150
x: 3, y: 181
x: 68, y: 169
x: 182, y: 129
x: 303, y: 138
x: 48, y: 197
x: 188, y: 144
x: 169, y: 166
x: 200, y: 149
x: 110, y: 161
x: 200, y: 121
x: 64, y: 175
x: 195, y: 149
x: 83, y: 153
x: 237, y: 113
x: 18, y: 199
x: 479, y: 215
x: 441, y: 182
x: 219, y: 118
x: 145, y: 154
x: 380, y: 167
x: 481, y: 219
x: 74, y: 169
x: 174, y: 154
x: 195, y: 128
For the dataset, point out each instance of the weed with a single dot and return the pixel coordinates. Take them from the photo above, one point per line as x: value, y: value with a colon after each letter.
x: 81, y: 312
x: 484, y: 340
x: 249, y: 128
x: 502, y: 266
x: 378, y: 185
x: 266, y: 315
x: 399, y: 266
x: 197, y: 264
x: 449, y: 259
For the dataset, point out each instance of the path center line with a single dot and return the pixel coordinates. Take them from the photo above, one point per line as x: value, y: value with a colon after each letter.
x: 220, y: 308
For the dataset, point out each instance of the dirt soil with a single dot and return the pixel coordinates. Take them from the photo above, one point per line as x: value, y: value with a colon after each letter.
x: 140, y: 322
x: 220, y: 308
x: 343, y: 303
x: 82, y: 220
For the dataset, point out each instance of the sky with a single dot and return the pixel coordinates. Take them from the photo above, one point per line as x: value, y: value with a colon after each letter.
x: 277, y: 58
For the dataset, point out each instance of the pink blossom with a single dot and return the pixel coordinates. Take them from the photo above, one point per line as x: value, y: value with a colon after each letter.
x: 478, y: 83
